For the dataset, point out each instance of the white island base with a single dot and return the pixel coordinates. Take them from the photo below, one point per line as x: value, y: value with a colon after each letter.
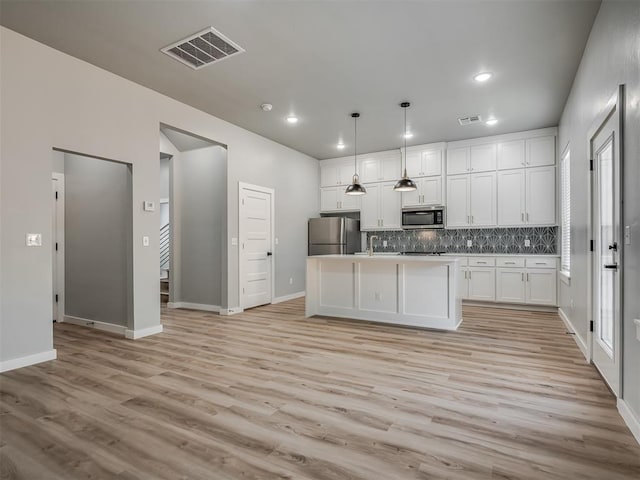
x: 417, y: 291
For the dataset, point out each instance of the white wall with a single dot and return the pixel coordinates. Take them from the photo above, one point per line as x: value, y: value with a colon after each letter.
x: 55, y: 100
x: 611, y: 57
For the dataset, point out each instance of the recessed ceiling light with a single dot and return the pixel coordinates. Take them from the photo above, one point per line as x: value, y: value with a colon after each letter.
x: 491, y: 121
x: 482, y: 77
x: 340, y: 146
x: 408, y: 135
x: 292, y: 119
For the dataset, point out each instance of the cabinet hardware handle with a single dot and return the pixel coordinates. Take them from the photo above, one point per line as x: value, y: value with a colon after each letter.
x: 469, y: 274
x: 471, y: 218
x: 522, y: 216
x: 509, y: 263
x: 527, y: 276
x: 527, y: 216
x: 522, y: 275
x: 465, y: 275
x: 540, y: 263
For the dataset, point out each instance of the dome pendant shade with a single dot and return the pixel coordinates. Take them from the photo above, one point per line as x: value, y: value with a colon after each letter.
x: 405, y: 184
x: 356, y: 187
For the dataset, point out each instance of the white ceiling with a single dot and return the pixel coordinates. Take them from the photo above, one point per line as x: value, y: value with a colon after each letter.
x: 324, y: 59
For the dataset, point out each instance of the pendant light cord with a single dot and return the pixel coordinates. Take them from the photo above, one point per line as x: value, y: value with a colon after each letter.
x: 404, y: 135
x: 355, y: 145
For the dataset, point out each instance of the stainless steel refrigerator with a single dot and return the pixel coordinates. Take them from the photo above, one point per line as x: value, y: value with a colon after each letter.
x: 333, y: 235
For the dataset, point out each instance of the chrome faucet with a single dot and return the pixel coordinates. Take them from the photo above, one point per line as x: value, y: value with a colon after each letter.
x: 371, y: 244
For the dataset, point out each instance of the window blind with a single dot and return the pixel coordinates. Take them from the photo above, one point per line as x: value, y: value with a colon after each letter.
x: 565, y: 212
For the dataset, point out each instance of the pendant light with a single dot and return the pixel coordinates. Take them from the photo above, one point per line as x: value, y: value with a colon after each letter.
x: 405, y: 184
x: 355, y: 188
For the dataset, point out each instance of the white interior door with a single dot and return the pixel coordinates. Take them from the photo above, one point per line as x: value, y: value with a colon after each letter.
x: 605, y: 148
x: 255, y: 231
x: 57, y: 246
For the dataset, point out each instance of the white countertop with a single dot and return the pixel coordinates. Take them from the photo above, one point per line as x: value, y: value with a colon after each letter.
x: 388, y: 258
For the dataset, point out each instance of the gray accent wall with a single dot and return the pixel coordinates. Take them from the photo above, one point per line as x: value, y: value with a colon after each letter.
x: 611, y: 57
x: 98, y: 249
x: 200, y: 194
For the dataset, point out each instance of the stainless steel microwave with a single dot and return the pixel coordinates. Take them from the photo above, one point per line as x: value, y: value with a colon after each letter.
x: 422, y: 217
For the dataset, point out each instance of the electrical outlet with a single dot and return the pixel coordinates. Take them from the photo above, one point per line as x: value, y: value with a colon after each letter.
x: 234, y: 241
x: 527, y: 242
x: 34, y: 240
x: 384, y: 243
x: 469, y: 243
x: 627, y: 235
x: 291, y: 281
x: 145, y: 241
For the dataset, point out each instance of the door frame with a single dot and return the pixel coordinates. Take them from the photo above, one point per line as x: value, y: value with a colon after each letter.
x: 614, y: 106
x: 272, y: 193
x: 57, y: 235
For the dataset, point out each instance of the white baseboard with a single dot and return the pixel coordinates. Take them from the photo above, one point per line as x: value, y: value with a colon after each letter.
x: 144, y: 332
x: 511, y: 306
x: 286, y: 298
x: 14, y: 363
x: 630, y: 418
x: 231, y: 311
x: 577, y: 338
x: 194, y: 306
x: 106, y: 327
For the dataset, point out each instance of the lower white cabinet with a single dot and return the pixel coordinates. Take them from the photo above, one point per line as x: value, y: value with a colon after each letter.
x: 519, y: 280
x: 380, y: 208
x: 482, y: 284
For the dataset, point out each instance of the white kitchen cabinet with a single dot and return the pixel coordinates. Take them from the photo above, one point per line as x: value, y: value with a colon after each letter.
x: 540, y: 196
x: 380, y: 208
x: 471, y: 200
x: 482, y: 158
x: 457, y: 160
x: 458, y: 201
x: 333, y: 199
x: 334, y: 174
x: 511, y: 154
x: 511, y: 197
x: 510, y: 285
x: 429, y: 192
x: 482, y: 199
x: 541, y: 286
x: 424, y: 163
x: 482, y: 283
x: 541, y: 151
x: 379, y: 168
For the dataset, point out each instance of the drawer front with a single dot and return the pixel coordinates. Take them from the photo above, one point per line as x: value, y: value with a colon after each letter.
x: 463, y: 261
x: 510, y: 262
x: 533, y: 262
x: 482, y: 261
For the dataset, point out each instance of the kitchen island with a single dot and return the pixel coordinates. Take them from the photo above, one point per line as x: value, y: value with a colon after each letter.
x: 417, y: 291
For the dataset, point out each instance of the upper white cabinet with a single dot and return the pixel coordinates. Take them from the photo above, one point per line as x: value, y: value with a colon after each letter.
x: 541, y: 196
x: 471, y: 200
x: 426, y: 162
x: 333, y: 199
x: 429, y: 192
x: 380, y: 209
x: 527, y: 197
x: 476, y: 158
x: 511, y: 154
x: 379, y: 168
x: 334, y: 173
x: 541, y: 151
x: 457, y: 160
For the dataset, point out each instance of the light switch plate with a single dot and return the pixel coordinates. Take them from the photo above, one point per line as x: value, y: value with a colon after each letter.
x: 145, y: 241
x: 234, y: 241
x: 637, y: 322
x: 276, y: 240
x: 34, y: 240
x: 148, y: 206
x: 627, y: 235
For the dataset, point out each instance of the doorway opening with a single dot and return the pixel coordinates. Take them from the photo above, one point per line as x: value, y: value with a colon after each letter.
x: 605, y: 148
x: 93, y: 244
x: 192, y: 223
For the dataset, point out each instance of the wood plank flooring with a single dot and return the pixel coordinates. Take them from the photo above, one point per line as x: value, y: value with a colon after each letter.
x: 269, y: 394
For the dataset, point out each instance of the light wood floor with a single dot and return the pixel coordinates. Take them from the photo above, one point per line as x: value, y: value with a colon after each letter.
x: 269, y: 394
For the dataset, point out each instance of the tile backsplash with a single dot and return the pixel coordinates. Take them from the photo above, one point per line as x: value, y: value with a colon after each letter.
x: 543, y: 240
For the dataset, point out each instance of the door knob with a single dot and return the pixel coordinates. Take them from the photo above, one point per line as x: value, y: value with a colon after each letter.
x: 614, y: 246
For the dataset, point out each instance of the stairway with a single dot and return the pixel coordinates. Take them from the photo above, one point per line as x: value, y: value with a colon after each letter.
x: 164, y: 285
x: 164, y: 247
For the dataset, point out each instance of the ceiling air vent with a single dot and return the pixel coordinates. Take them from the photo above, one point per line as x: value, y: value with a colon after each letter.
x: 203, y: 48
x: 470, y: 120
